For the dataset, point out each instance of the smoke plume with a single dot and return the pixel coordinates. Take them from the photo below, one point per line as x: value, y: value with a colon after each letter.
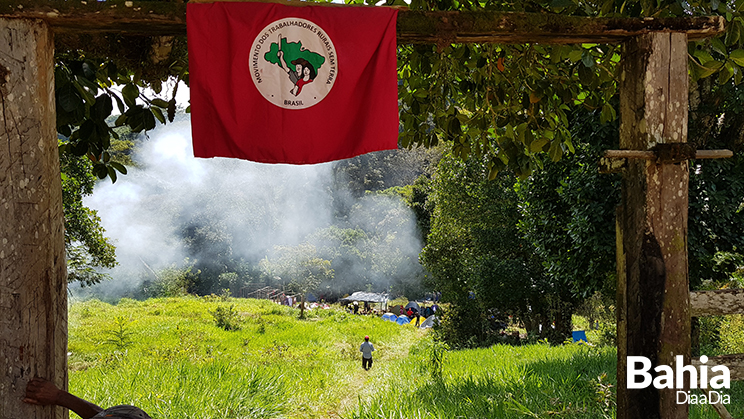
x: 242, y: 208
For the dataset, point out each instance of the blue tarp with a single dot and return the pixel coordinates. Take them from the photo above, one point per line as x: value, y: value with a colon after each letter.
x: 389, y: 317
x: 579, y: 336
x: 403, y: 320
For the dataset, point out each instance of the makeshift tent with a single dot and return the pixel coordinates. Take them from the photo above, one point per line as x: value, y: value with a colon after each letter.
x: 390, y: 317
x: 368, y: 297
x: 403, y: 320
x: 414, y: 305
x: 429, y: 322
x: 395, y: 309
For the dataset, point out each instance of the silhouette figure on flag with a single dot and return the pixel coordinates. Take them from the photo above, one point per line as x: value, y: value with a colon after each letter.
x: 304, y: 63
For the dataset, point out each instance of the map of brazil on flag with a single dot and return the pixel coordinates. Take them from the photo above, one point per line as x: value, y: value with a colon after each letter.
x: 292, y: 84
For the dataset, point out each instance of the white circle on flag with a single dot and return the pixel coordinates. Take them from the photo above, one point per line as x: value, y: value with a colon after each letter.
x: 293, y: 63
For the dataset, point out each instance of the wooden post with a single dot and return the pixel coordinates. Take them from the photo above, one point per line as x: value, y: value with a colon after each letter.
x: 653, y: 288
x: 33, y: 283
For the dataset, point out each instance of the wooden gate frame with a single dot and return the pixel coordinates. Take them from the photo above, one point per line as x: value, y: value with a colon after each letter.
x: 653, y: 284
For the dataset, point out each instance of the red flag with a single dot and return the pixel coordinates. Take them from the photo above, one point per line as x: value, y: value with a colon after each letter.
x: 292, y: 84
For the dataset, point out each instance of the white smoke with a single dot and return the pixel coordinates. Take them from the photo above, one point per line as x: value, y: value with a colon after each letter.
x: 258, y: 205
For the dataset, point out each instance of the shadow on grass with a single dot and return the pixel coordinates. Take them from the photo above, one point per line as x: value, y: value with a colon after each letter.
x: 580, y: 385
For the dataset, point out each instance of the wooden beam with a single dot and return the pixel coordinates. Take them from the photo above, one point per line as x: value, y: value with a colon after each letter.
x: 33, y: 280
x: 507, y: 28
x: 735, y: 364
x: 651, y: 155
x: 159, y: 18
x: 653, y: 284
x: 720, y: 408
x: 615, y: 161
x: 716, y: 302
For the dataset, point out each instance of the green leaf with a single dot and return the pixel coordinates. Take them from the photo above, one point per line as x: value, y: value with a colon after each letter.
x: 80, y: 148
x: 130, y: 93
x: 713, y: 65
x: 111, y: 173
x: 702, y: 55
x: 68, y: 98
x: 171, y: 110
x: 569, y: 144
x: 726, y: 73
x: 587, y: 59
x: 135, y: 118
x: 119, y: 103
x: 556, y: 54
x: 733, y: 34
x: 454, y: 128
x: 64, y: 130
x: 149, y: 119
x: 575, y: 55
x: 703, y: 71
x: 118, y: 166
x: 556, y: 151
x: 538, y: 145
x: 102, y: 108
x: 84, y: 93
x: 92, y: 86
x: 586, y: 75
x: 121, y: 120
x: 493, y: 172
x: 737, y: 56
x: 718, y: 46
x: 608, y: 114
x: 158, y: 114
x: 86, y: 130
x: 159, y: 102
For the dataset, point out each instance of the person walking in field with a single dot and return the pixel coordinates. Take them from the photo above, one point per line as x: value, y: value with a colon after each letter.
x: 366, y: 350
x: 43, y: 392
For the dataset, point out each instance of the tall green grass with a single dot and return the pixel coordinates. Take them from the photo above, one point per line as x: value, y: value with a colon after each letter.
x: 172, y: 360
x: 169, y: 357
x: 499, y: 382
x: 531, y: 381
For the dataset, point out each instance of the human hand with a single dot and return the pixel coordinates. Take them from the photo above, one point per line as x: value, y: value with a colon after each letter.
x: 42, y: 392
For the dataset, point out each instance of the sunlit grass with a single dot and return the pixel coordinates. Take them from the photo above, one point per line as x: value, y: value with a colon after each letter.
x: 175, y: 363
x: 169, y: 357
x: 531, y: 381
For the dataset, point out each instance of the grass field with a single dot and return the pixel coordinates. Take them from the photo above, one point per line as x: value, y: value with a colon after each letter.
x: 169, y: 357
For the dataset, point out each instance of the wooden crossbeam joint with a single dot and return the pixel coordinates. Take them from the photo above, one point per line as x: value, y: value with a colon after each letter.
x: 614, y: 161
x: 672, y: 153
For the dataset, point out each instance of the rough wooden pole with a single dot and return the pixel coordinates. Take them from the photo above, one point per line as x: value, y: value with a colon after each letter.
x: 33, y: 284
x: 654, y: 285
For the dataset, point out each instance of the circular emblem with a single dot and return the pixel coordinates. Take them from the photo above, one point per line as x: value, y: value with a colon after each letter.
x: 293, y: 63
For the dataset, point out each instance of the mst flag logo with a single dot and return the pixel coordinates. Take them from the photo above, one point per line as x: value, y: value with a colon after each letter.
x: 299, y: 68
x: 306, y: 84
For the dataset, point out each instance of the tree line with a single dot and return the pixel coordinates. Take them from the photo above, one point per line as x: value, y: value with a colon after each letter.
x: 538, y: 249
